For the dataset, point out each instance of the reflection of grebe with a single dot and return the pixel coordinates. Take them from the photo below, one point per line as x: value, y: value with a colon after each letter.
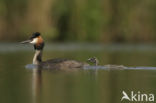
x: 38, y: 43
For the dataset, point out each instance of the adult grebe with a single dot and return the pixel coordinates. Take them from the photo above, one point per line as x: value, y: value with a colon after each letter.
x: 62, y: 64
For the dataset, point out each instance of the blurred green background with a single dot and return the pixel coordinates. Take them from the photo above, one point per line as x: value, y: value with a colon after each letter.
x: 104, y: 21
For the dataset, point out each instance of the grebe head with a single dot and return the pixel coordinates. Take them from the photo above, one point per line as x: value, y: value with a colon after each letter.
x: 93, y: 60
x: 36, y: 40
x: 38, y: 43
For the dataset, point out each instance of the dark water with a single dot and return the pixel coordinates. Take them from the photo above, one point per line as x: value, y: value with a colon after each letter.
x: 21, y: 85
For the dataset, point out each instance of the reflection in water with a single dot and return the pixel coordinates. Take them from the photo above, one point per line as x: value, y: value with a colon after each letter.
x: 36, y: 84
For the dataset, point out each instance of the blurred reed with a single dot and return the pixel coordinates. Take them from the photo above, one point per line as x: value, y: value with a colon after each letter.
x: 107, y: 21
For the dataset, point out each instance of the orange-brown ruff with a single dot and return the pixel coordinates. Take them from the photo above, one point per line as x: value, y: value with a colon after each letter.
x: 39, y: 40
x: 57, y: 64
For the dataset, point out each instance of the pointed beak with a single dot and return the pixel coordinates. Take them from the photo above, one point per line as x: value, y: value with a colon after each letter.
x: 26, y: 41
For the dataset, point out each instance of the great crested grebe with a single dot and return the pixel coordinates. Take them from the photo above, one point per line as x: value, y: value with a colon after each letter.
x: 38, y: 43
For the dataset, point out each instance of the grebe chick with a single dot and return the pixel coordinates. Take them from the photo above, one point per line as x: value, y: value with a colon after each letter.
x: 94, y: 60
x: 62, y: 64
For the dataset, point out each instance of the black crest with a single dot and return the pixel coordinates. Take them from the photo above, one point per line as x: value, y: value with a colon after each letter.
x: 34, y: 35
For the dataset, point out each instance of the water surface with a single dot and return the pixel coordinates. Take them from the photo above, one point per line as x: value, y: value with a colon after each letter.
x: 21, y: 85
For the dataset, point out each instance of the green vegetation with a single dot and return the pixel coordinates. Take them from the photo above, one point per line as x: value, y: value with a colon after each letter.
x: 105, y: 21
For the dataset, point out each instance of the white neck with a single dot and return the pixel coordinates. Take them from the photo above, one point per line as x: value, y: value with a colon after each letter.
x: 37, y: 57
